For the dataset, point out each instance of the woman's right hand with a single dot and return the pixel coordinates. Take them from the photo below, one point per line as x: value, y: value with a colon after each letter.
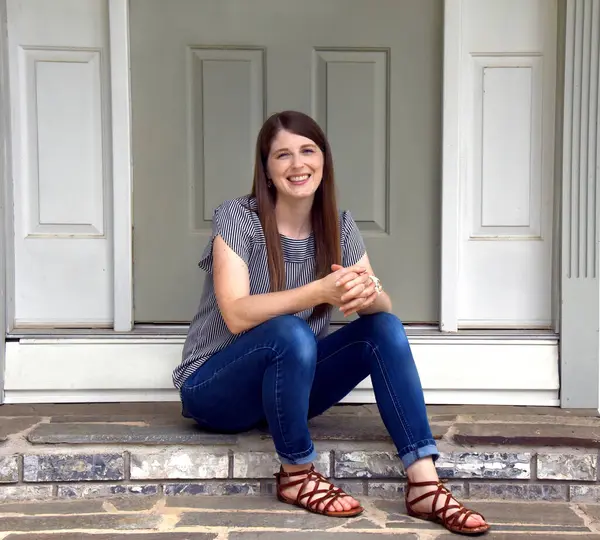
x: 332, y: 285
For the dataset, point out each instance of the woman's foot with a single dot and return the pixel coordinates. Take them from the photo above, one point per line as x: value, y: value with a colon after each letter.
x: 427, y: 498
x: 445, y: 499
x: 303, y: 486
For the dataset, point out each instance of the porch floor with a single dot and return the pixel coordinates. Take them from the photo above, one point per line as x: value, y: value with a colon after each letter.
x: 101, y: 450
x: 264, y: 518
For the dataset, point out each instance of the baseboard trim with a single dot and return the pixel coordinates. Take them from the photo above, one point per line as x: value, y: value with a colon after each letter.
x: 456, y: 370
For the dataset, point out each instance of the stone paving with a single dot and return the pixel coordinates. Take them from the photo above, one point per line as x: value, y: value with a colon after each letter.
x: 74, y: 451
x: 264, y: 518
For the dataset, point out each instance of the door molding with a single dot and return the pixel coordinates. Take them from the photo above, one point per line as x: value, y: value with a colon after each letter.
x: 450, y: 167
x: 122, y: 165
x: 5, y: 214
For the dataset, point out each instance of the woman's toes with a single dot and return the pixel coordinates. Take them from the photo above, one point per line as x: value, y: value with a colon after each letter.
x: 350, y: 503
x: 335, y: 506
x: 343, y: 504
x: 475, y: 521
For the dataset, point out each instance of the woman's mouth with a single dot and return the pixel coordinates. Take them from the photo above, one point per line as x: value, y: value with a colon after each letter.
x: 300, y: 179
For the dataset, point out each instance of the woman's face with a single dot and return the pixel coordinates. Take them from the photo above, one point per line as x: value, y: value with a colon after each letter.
x: 295, y: 165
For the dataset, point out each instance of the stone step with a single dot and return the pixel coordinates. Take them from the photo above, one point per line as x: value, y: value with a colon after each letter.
x: 264, y: 518
x: 100, y: 450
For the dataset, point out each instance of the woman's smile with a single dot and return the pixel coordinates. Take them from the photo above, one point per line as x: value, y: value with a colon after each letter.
x: 299, y: 180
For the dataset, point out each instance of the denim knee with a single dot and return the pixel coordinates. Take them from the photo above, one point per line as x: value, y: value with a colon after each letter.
x: 297, y: 339
x: 385, y: 326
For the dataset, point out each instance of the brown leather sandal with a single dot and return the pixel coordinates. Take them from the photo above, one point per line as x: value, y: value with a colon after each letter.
x: 311, y: 503
x: 455, y: 522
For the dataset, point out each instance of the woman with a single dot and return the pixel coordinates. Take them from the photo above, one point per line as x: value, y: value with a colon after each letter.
x: 258, y: 349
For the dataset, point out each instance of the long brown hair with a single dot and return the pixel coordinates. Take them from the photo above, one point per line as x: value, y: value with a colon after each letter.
x: 324, y: 213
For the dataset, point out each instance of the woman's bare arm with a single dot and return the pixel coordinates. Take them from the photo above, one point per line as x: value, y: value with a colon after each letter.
x: 243, y: 311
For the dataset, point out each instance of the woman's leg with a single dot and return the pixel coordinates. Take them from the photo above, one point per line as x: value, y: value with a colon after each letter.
x: 267, y: 373
x: 377, y: 345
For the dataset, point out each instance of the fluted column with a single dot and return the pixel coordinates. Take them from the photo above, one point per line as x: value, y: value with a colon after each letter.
x: 580, y: 293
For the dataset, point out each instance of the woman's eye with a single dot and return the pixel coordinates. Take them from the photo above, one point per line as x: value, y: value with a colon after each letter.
x: 308, y: 151
x: 284, y: 154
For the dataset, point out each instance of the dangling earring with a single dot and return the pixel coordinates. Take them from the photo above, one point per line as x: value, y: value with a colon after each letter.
x: 269, y: 183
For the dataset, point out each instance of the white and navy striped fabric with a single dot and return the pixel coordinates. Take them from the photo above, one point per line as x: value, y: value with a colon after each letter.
x: 237, y: 222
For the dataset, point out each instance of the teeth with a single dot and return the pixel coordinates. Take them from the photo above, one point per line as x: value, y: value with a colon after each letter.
x: 299, y: 178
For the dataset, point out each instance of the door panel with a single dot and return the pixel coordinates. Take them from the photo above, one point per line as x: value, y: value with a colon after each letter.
x: 508, y: 106
x: 61, y: 163
x: 206, y: 73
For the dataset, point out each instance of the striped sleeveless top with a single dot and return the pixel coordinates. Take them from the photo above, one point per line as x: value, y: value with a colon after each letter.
x: 237, y: 222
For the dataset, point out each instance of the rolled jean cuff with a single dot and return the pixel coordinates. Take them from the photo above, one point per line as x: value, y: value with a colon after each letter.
x: 420, y: 450
x: 300, y: 458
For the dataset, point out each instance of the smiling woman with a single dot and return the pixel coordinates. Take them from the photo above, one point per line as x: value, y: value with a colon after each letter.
x: 259, y: 349
x: 290, y: 147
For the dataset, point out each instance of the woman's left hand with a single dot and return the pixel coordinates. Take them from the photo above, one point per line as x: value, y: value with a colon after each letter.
x: 360, y: 293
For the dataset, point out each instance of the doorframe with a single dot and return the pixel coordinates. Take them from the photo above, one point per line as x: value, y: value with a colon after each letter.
x: 5, y: 195
x: 120, y: 83
x: 30, y: 359
x: 451, y: 167
x: 120, y: 71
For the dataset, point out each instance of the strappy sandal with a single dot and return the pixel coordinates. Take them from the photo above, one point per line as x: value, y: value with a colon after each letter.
x: 455, y: 522
x: 306, y: 499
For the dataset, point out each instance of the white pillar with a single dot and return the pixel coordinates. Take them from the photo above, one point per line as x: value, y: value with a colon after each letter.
x: 580, y: 317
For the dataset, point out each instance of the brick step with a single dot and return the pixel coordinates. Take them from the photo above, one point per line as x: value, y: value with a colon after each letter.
x: 524, y: 453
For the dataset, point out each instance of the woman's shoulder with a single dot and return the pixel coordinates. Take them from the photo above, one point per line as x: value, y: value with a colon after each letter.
x: 241, y: 211
x: 235, y: 221
x: 353, y: 246
x: 346, y: 221
x: 243, y: 206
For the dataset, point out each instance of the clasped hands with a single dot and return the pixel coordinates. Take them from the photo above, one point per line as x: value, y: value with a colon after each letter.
x: 349, y: 289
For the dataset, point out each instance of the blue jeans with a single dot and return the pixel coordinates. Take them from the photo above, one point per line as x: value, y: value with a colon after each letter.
x: 280, y: 373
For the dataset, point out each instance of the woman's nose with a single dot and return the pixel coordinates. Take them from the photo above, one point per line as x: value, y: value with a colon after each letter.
x: 297, y: 161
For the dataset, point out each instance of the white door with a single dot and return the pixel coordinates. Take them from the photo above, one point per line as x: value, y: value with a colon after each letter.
x: 505, y: 78
x: 206, y: 73
x: 59, y: 90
